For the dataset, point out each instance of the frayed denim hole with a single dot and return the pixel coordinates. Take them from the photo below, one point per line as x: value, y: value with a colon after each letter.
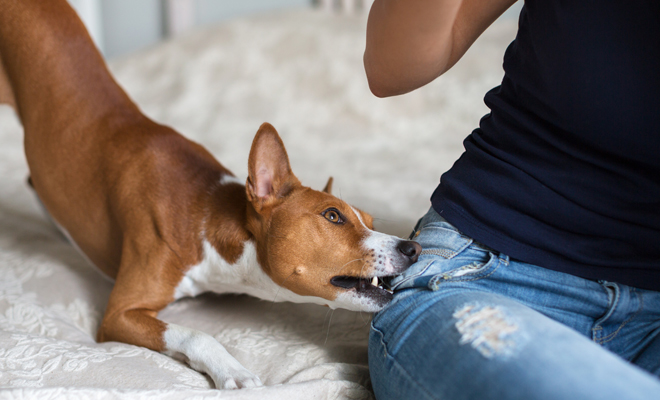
x: 489, y: 329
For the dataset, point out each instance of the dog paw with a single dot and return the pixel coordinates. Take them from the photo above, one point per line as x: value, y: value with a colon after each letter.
x: 206, y: 355
x: 236, y: 379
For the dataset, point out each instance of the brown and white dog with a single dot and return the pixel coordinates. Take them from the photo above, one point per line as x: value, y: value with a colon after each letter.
x: 159, y: 215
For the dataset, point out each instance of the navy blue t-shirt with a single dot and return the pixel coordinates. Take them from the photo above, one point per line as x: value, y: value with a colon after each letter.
x: 564, y: 172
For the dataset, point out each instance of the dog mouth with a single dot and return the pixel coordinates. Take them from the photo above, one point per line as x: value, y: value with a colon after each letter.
x: 374, y: 286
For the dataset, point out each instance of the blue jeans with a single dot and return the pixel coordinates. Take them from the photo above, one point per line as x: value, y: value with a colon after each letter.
x: 469, y: 323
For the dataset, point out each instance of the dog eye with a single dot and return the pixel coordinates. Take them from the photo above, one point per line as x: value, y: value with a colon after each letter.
x: 333, y: 215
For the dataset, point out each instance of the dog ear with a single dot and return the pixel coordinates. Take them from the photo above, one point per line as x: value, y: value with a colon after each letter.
x: 328, y: 186
x: 269, y: 172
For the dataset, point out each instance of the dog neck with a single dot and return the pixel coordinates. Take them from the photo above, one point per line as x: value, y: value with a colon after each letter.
x: 244, y: 276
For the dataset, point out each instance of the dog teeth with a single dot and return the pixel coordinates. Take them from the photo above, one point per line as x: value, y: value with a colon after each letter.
x: 374, y: 281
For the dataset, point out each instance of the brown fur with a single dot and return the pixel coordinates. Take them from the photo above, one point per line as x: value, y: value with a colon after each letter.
x: 138, y: 198
x: 103, y: 170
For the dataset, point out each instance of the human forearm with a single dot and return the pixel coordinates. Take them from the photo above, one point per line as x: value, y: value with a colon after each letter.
x: 412, y: 42
x: 408, y: 42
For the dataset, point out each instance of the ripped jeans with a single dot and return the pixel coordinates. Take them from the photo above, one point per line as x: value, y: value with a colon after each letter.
x: 469, y: 323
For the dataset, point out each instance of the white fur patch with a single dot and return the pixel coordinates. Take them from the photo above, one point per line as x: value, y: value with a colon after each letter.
x: 384, y: 247
x: 385, y: 252
x: 214, y: 274
x: 359, y: 217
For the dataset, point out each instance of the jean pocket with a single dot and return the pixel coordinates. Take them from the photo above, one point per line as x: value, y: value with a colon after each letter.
x: 470, y: 270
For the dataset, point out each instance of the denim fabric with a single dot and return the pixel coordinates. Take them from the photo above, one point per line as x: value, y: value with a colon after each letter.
x: 469, y: 323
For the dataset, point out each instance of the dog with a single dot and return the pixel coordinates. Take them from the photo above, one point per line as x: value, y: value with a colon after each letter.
x: 160, y: 216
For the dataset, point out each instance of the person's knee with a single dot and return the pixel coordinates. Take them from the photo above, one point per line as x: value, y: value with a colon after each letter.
x: 422, y: 346
x: 469, y: 344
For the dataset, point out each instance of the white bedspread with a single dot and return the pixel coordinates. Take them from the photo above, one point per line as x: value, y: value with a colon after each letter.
x: 301, y: 71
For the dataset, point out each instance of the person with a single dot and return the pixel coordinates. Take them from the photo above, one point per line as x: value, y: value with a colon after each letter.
x: 540, y: 271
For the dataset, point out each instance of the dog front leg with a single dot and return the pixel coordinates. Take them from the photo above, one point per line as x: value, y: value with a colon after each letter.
x: 131, y: 317
x: 201, y: 351
x: 207, y: 355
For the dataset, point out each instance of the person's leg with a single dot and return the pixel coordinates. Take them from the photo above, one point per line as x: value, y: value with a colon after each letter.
x: 459, y: 344
x: 466, y: 327
x: 619, y: 318
x: 649, y: 357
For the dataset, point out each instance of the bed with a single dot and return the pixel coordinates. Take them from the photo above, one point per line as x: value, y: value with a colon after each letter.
x: 300, y: 70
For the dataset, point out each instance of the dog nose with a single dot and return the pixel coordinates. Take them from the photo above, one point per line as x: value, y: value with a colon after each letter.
x: 409, y: 249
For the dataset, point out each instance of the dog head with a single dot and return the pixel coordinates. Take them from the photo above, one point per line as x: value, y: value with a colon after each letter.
x: 312, y: 243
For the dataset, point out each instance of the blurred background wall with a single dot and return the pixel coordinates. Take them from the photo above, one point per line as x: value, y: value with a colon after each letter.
x: 123, y: 26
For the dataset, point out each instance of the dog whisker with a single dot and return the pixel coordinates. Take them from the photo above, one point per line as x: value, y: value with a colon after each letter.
x: 324, y: 318
x: 352, y: 261
x: 362, y: 317
x: 328, y: 331
x: 279, y: 287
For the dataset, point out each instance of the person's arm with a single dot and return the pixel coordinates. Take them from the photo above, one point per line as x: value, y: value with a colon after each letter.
x: 412, y: 42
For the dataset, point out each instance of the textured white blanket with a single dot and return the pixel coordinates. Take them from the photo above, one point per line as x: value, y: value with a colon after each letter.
x: 302, y: 72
